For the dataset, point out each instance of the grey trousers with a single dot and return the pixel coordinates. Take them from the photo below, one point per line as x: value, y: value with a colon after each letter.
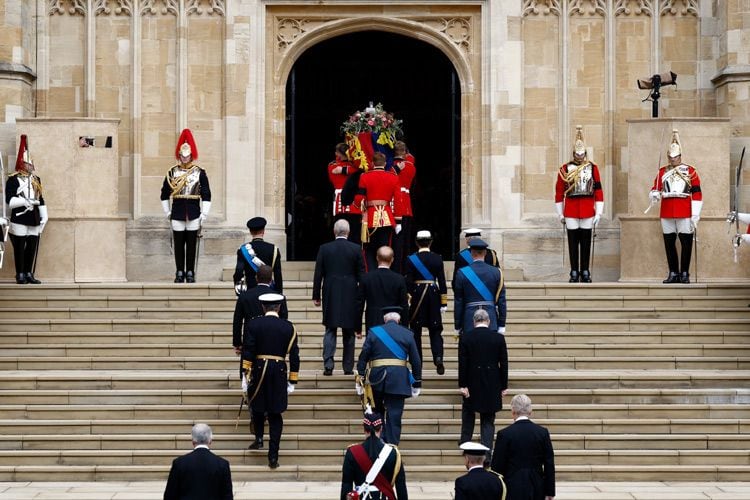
x: 329, y: 348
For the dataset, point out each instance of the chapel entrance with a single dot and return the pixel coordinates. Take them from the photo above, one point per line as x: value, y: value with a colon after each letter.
x: 413, y: 80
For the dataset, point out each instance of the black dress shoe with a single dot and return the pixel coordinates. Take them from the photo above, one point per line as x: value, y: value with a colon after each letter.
x: 190, y: 277
x: 256, y: 445
x: 273, y: 463
x: 20, y: 279
x: 585, y: 277
x: 573, y: 277
x: 31, y: 279
x: 673, y: 277
x: 684, y: 277
x: 179, y: 277
x: 328, y: 372
x: 440, y: 367
x: 349, y: 373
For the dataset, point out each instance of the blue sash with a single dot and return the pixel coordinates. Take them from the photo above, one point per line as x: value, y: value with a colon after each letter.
x: 466, y: 254
x: 392, y: 346
x: 248, y: 257
x: 477, y: 283
x: 426, y: 274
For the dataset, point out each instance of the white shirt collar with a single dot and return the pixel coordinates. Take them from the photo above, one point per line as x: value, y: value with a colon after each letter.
x: 423, y: 250
x: 384, y: 267
x: 272, y: 313
x: 476, y: 467
x: 521, y: 417
x: 201, y: 446
x: 342, y: 237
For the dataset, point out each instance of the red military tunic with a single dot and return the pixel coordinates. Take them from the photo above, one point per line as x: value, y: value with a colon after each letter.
x: 578, y: 206
x: 687, y: 190
x: 406, y: 173
x: 378, y: 189
x: 338, y: 181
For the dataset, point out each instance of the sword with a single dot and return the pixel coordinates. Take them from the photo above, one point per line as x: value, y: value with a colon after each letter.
x: 36, y: 253
x: 593, y: 247
x: 736, y: 208
x: 658, y: 166
x: 564, y: 228
x: 695, y: 242
x: 198, y: 247
x: 4, y: 223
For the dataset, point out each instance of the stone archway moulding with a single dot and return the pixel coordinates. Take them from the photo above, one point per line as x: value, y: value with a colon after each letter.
x: 456, y: 33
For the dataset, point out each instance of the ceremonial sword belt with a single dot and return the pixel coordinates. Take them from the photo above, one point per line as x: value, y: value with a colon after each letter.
x: 270, y: 357
x: 481, y: 303
x: 424, y: 282
x: 387, y: 362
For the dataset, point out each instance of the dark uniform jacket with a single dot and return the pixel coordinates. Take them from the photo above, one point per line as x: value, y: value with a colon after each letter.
x: 467, y: 299
x: 248, y: 307
x: 340, y: 268
x: 524, y: 456
x: 391, y: 379
x: 269, y: 254
x: 19, y: 215
x: 379, y: 288
x: 187, y: 208
x: 270, y: 336
x: 352, y: 475
x: 199, y: 475
x: 483, y: 368
x: 426, y: 299
x: 463, y: 258
x: 480, y: 484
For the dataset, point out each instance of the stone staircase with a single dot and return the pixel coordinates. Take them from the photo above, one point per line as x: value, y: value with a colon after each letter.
x: 636, y: 382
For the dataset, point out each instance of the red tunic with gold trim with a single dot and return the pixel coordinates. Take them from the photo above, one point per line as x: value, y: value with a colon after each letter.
x: 580, y: 198
x: 406, y: 173
x: 378, y: 189
x: 338, y: 181
x: 679, y: 186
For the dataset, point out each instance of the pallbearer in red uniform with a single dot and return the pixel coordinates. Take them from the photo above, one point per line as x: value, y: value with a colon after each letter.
x: 406, y: 174
x: 579, y: 202
x: 377, y: 190
x: 338, y: 171
x: 678, y: 187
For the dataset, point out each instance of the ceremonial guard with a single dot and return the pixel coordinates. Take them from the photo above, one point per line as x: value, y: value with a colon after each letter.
x: 373, y: 469
x: 380, y: 288
x: 387, y: 351
x: 479, y: 286
x: 338, y: 171
x: 255, y: 253
x: 406, y: 174
x: 187, y: 184
x: 377, y: 190
x: 267, y: 342
x: 678, y: 187
x: 478, y: 483
x: 463, y: 258
x: 23, y: 194
x: 425, y: 282
x: 579, y: 202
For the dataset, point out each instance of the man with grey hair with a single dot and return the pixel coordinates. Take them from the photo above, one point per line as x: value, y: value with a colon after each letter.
x: 524, y: 455
x: 482, y: 378
x: 339, y: 269
x: 200, y: 474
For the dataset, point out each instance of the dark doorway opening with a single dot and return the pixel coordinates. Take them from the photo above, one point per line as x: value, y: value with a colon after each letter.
x: 418, y: 84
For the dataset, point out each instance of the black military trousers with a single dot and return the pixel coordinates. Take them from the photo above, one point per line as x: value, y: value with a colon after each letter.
x: 382, y: 236
x: 275, y: 427
x: 436, y: 340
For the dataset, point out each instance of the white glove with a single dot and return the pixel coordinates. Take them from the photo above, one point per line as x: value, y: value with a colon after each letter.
x: 244, y: 383
x: 43, y: 217
x: 443, y: 309
x: 289, y: 388
x: 18, y: 202
x: 654, y: 196
x: 239, y: 288
x: 415, y: 392
x: 203, y: 218
x: 205, y: 209
x: 596, y: 220
x: 359, y: 389
x: 694, y: 221
x: 500, y: 329
x: 559, y: 210
x: 598, y: 210
x: 398, y: 228
x: 165, y: 207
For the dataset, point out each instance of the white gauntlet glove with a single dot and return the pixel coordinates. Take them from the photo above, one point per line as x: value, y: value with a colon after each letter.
x: 654, y: 197
x: 415, y: 392
x: 443, y: 309
x: 205, y: 208
x: 165, y: 207
x: 559, y: 210
x: 359, y: 389
x: 289, y: 388
x: 43, y: 217
x: 244, y: 383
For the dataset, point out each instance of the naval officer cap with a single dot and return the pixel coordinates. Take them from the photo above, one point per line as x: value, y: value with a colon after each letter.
x: 478, y: 244
x: 471, y: 448
x: 391, y: 309
x: 424, y: 235
x: 256, y: 223
x: 270, y: 299
x: 472, y: 231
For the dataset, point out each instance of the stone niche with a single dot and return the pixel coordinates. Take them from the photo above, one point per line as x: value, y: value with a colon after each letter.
x: 76, y: 159
x: 705, y: 145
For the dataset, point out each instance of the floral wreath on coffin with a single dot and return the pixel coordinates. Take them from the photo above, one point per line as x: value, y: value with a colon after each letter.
x: 365, y: 132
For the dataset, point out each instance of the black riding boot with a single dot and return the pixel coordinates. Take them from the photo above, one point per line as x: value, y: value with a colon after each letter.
x: 686, y: 242
x: 584, y: 236
x: 670, y: 245
x: 573, y: 251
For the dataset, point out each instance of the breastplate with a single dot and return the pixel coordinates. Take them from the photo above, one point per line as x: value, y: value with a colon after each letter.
x: 583, y: 182
x: 26, y: 187
x: 185, y: 183
x: 675, y: 183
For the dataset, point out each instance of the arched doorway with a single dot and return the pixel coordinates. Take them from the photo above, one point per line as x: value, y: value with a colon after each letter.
x: 415, y: 81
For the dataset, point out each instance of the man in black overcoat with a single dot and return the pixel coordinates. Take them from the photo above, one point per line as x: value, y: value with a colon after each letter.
x: 380, y: 288
x: 339, y: 267
x: 524, y: 456
x: 482, y: 378
x: 199, y: 475
x: 479, y: 483
x: 255, y: 253
x: 267, y: 343
x: 425, y: 281
x: 392, y: 476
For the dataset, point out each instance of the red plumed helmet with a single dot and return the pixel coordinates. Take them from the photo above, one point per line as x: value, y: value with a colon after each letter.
x: 186, y: 145
x: 23, y: 154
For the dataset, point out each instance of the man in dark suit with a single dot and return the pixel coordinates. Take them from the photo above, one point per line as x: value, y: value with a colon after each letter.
x: 199, y: 475
x: 355, y: 468
x: 340, y: 268
x: 479, y: 483
x: 482, y: 378
x: 380, y: 288
x: 463, y: 258
x: 479, y: 286
x: 524, y: 456
x: 267, y: 343
x: 255, y: 253
x: 425, y: 281
x: 387, y: 351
